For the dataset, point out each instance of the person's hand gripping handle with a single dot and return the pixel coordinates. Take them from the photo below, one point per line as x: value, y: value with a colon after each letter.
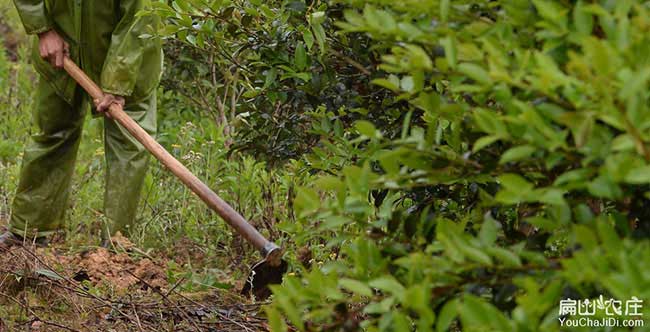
x: 53, y: 48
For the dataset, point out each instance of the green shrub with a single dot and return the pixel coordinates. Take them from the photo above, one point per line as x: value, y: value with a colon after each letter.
x: 520, y: 176
x: 266, y: 72
x: 490, y: 160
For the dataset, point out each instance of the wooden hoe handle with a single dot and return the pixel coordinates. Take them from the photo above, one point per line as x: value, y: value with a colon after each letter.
x: 268, y: 249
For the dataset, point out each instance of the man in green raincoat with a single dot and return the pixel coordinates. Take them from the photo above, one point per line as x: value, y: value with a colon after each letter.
x: 105, y: 38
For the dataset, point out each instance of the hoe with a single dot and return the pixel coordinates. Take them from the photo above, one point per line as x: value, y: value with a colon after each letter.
x: 272, y: 267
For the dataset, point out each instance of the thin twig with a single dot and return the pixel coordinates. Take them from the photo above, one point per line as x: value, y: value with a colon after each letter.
x: 157, y: 291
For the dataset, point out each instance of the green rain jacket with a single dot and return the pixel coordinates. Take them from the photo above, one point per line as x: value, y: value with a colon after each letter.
x: 105, y: 40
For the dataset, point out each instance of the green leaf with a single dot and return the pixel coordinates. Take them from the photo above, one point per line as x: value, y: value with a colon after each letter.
x: 510, y: 197
x: 48, y: 274
x: 389, y: 285
x: 354, y: 18
x: 489, y: 230
x: 407, y: 84
x: 551, y: 196
x: 356, y: 286
x: 366, y: 128
x: 382, y: 307
x: 634, y: 83
x: 271, y: 76
x: 301, y: 57
x: 379, y: 20
x: 484, y: 141
x: 191, y: 39
x: 418, y: 58
x: 386, y: 83
x: 444, y: 10
x: 266, y: 11
x: 284, y: 301
x: 333, y: 223
x: 586, y: 237
x: 517, y: 153
x: 490, y: 123
x: 624, y: 142
x: 551, y: 11
x: 473, y: 314
x: 478, y: 315
x: 583, y: 214
x: 451, y: 51
x: 390, y: 160
x: 475, y: 254
x: 319, y: 34
x: 584, y: 20
x: 308, y: 37
x: 515, y: 182
x: 543, y: 223
x: 307, y: 201
x: 605, y: 188
x: 507, y: 257
x: 276, y: 322
x: 475, y: 72
x: 447, y: 314
x: 639, y: 175
x: 318, y: 17
x: 576, y: 175
x: 400, y: 321
x: 328, y: 182
x: 608, y: 235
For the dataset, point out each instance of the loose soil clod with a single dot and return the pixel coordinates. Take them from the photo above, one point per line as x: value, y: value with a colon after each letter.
x: 101, y: 290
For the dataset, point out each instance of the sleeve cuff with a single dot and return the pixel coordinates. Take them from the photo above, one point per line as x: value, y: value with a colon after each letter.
x: 35, y: 31
x: 118, y: 92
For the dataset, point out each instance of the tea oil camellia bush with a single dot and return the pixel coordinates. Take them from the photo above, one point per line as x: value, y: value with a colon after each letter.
x: 476, y: 162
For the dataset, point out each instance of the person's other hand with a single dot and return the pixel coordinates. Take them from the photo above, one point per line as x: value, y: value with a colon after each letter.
x: 105, y: 103
x: 53, y: 47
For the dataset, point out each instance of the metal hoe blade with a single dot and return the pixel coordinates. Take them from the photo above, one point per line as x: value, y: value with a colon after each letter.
x: 268, y: 271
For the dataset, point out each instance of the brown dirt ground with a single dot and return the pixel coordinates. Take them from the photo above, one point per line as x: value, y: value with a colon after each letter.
x: 118, y: 290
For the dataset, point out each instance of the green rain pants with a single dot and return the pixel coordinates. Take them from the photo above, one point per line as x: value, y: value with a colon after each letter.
x: 49, y: 159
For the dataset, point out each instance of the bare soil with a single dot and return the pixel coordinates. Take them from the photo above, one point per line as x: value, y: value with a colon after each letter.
x: 53, y: 289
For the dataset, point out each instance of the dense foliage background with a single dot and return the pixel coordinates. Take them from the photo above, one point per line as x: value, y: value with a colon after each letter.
x: 475, y: 161
x: 429, y: 165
